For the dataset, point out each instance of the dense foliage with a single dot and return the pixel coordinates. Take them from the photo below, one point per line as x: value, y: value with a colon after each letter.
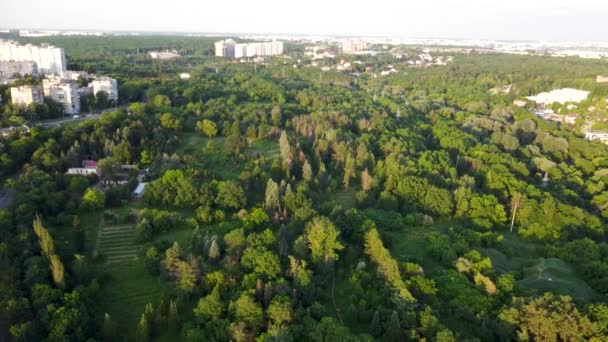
x: 285, y: 203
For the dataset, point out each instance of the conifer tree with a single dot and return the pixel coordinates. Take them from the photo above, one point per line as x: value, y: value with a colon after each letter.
x: 375, y: 327
x: 214, y: 250
x: 142, y: 333
x: 108, y: 328
x: 393, y: 328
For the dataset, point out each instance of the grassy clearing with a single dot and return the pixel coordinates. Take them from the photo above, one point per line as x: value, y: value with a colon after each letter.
x: 213, y: 156
x: 346, y: 198
x: 554, y: 275
x: 64, y: 238
x: 129, y: 288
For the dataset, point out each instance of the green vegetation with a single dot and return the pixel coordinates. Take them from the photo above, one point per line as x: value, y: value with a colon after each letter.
x: 289, y: 203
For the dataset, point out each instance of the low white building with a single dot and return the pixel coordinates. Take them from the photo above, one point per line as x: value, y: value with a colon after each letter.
x: 107, y: 85
x: 597, y: 136
x: 164, y: 54
x: 5, y: 132
x: 24, y: 95
x: 139, y: 190
x: 184, y: 76
x: 560, y: 95
x: 89, y: 167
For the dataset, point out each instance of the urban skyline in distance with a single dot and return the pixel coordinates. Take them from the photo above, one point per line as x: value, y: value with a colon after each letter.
x: 560, y: 20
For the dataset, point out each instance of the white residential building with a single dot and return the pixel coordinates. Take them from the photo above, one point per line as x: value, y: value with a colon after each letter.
x: 24, y: 95
x: 228, y: 48
x: 353, y: 45
x: 597, y: 135
x: 75, y: 75
x: 48, y: 58
x: 8, y: 69
x: 63, y: 91
x: 107, y: 85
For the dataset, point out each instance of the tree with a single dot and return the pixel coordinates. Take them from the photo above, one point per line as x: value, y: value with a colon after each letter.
x: 349, y: 170
x: 108, y: 328
x: 548, y: 318
x: 272, y: 195
x: 230, y: 195
x: 387, y: 266
x: 367, y: 182
x: 262, y: 261
x: 151, y: 260
x: 172, y: 259
x: 375, y: 327
x: 210, y: 306
x: 57, y: 270
x: 393, y: 328
x: 142, y: 333
x: 235, y: 241
x: 516, y: 202
x: 214, y: 250
x: 307, y: 174
x: 276, y: 115
x: 172, y: 317
x: 248, y: 311
x: 279, y: 311
x: 93, y: 199
x: 169, y: 121
x: 101, y: 100
x: 187, y: 277
x: 322, y: 237
x: 207, y: 127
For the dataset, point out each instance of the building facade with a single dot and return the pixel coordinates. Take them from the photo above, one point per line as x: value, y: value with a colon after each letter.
x: 9, y: 68
x: 228, y: 48
x: 48, y: 58
x: 107, y: 85
x: 24, y: 95
x: 63, y: 91
x: 353, y: 45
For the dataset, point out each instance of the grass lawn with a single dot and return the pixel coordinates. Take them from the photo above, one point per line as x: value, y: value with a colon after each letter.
x: 129, y: 288
x: 212, y: 154
x: 63, y: 235
x: 346, y: 198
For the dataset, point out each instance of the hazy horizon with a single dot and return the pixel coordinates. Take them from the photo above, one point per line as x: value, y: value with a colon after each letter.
x: 557, y: 20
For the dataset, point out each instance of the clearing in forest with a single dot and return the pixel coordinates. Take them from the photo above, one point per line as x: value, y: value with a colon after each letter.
x: 117, y: 243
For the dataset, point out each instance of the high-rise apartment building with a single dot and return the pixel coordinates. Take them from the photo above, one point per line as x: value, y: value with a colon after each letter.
x: 24, y: 95
x: 228, y: 48
x: 8, y: 69
x: 48, y: 58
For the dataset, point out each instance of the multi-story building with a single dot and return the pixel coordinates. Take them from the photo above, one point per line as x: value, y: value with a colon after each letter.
x: 228, y: 48
x: 107, y: 85
x: 353, y: 45
x: 63, y: 91
x: 75, y: 75
x: 24, y: 95
x: 10, y: 68
x: 225, y: 48
x: 48, y: 58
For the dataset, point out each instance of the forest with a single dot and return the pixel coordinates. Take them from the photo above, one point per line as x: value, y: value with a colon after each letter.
x: 285, y: 203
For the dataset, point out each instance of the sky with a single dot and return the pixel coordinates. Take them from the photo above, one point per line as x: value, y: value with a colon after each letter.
x: 475, y: 19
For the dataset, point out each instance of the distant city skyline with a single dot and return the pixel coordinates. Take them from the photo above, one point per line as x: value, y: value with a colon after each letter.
x: 582, y: 20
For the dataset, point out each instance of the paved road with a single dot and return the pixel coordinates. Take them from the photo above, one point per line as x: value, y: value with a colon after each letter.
x: 59, y: 122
